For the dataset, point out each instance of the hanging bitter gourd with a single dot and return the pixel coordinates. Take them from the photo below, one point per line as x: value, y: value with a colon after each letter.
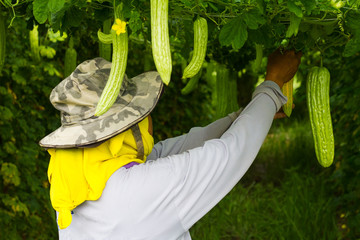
x: 70, y: 59
x: 191, y: 84
x: 318, y: 100
x: 160, y: 38
x: 105, y: 48
x: 200, y: 45
x: 259, y: 56
x: 34, y: 43
x: 210, y: 77
x: 287, y: 90
x: 2, y: 40
x: 226, y: 91
x: 119, y: 38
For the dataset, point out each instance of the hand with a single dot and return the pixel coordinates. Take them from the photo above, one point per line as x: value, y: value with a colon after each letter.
x: 282, y: 67
x: 281, y: 114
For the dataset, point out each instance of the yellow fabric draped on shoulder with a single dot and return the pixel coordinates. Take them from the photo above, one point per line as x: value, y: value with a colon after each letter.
x: 80, y: 174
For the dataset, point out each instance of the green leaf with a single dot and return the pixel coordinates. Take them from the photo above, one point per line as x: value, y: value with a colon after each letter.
x: 294, y: 25
x: 355, y: 2
x: 6, y: 113
x: 352, y: 21
x: 329, y: 29
x: 9, y: 147
x: 10, y: 173
x: 74, y: 17
x: 315, y: 32
x: 55, y: 5
x: 15, y: 204
x: 135, y: 22
x: 259, y: 36
x: 309, y: 5
x: 234, y: 33
x: 295, y: 9
x: 3, y: 90
x: 56, y: 20
x: 352, y: 47
x: 304, y: 27
x: 253, y: 19
x: 40, y: 10
x: 261, y: 5
x: 18, y: 78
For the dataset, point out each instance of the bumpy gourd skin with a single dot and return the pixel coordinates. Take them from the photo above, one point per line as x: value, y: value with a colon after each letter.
x: 318, y: 100
x: 34, y: 43
x: 200, y: 45
x: 117, y: 72
x: 160, y: 38
x: 287, y: 90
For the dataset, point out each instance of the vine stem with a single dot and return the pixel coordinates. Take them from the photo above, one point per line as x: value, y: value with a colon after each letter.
x: 321, y: 60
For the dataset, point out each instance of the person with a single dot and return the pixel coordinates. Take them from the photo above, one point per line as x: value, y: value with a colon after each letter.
x: 108, y: 179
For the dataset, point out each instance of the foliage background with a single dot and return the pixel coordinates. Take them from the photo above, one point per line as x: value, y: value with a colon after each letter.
x: 328, y: 33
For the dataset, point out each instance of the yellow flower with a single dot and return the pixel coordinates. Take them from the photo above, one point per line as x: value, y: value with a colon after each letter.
x: 119, y: 26
x: 342, y: 215
x: 343, y: 226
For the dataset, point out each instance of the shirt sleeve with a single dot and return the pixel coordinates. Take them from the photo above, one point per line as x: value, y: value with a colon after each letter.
x: 196, y: 137
x: 206, y: 174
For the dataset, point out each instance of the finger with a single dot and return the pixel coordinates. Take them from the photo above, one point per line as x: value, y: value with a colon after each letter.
x: 279, y: 115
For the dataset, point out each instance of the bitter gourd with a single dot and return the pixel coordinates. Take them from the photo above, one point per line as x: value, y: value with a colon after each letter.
x: 318, y: 100
x: 200, y: 45
x: 226, y: 91
x: 287, y: 90
x: 259, y: 56
x: 191, y: 84
x: 34, y: 43
x: 119, y: 38
x: 160, y: 38
x: 105, y: 48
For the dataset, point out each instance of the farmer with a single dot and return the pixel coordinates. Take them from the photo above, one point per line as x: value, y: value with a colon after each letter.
x: 109, y: 181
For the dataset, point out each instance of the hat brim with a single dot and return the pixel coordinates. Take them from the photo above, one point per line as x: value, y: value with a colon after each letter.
x: 120, y: 117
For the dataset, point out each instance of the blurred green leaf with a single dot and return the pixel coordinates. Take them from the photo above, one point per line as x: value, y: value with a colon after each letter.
x: 293, y: 7
x: 352, y: 47
x: 16, y: 205
x: 294, y: 26
x: 5, y: 113
x: 253, y: 19
x: 55, y: 5
x: 135, y: 22
x: 40, y: 10
x: 10, y: 174
x: 234, y: 33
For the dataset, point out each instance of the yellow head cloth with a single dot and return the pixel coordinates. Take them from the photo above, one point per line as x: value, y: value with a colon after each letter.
x: 80, y: 174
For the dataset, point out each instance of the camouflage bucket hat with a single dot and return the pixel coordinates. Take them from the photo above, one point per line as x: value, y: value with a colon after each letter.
x: 76, y: 98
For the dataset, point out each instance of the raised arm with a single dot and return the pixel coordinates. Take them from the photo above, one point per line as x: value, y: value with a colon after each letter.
x: 196, y: 137
x: 206, y: 174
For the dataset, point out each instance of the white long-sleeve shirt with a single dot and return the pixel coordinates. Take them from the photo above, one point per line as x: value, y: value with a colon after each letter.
x: 182, y: 180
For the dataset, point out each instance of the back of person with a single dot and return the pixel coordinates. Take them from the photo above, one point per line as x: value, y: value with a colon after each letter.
x: 108, y: 180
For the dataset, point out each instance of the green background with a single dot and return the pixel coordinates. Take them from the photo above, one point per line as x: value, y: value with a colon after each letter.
x: 285, y: 195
